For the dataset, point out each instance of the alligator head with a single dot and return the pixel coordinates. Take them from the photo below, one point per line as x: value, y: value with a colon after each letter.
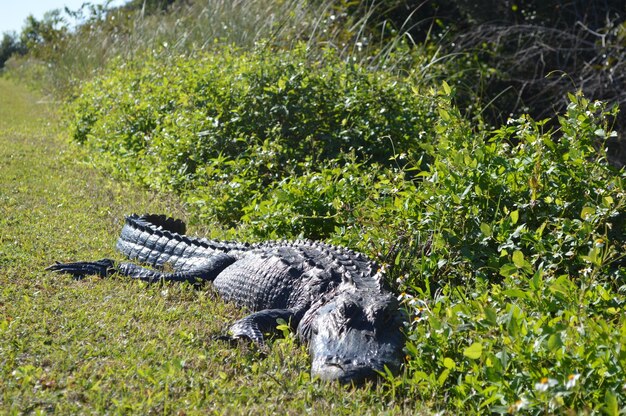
x: 353, y: 336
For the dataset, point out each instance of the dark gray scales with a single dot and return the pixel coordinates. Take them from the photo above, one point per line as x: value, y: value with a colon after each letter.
x: 333, y: 297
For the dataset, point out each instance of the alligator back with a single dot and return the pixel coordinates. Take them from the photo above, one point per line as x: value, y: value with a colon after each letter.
x: 293, y: 274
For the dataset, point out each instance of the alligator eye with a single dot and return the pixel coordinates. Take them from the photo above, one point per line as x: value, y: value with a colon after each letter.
x: 348, y: 309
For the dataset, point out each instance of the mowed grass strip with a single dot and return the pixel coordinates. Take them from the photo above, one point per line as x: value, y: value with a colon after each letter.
x: 112, y: 345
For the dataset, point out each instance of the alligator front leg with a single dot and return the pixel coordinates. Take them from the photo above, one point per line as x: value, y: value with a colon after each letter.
x: 256, y: 325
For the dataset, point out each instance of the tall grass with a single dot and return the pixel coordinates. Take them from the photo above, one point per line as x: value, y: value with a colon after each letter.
x: 189, y: 28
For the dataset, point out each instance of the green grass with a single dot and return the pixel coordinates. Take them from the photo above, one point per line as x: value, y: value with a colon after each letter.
x: 115, y: 346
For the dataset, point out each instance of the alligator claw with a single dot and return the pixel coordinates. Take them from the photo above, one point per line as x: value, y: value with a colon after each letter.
x: 261, y: 348
x: 102, y: 268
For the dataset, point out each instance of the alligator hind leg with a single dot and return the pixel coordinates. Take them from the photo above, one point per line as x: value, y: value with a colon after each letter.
x: 206, y: 270
x: 102, y: 268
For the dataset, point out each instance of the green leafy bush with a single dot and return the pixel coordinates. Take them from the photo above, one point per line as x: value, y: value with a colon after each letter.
x: 247, y: 120
x: 527, y: 247
x: 506, y: 200
x: 341, y: 200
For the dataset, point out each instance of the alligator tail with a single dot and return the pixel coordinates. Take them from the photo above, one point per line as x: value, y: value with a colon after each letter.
x: 156, y: 240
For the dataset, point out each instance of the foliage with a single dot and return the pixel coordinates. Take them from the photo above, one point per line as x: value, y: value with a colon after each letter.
x: 506, y: 244
x: 522, y: 191
x: 247, y: 121
x: 528, y: 226
x: 502, y: 57
x: 347, y: 198
x: 148, y: 6
x: 183, y: 28
x: 47, y: 37
x: 537, y: 345
x: 9, y: 46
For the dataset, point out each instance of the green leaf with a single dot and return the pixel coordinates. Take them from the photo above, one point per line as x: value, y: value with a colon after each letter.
x: 444, y: 114
x: 443, y: 376
x: 610, y: 401
x: 449, y: 363
x: 554, y: 342
x: 594, y: 257
x: 508, y: 270
x: 446, y: 88
x: 537, y: 281
x: 398, y: 258
x: 516, y: 293
x: 539, y: 230
x: 485, y: 229
x: 491, y: 399
x: 586, y: 212
x: 518, y: 258
x: 474, y: 351
x: 514, y: 216
x: 572, y: 97
x: 491, y: 315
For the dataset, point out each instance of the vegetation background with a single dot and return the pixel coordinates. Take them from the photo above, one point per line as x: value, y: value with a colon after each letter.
x: 474, y: 149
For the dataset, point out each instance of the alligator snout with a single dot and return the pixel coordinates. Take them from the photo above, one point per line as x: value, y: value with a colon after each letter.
x: 354, y: 372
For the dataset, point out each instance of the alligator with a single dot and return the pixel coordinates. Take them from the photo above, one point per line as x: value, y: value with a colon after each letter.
x: 332, y: 297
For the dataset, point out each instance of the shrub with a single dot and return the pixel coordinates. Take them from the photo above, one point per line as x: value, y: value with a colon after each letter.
x: 341, y: 199
x: 247, y: 120
x: 507, y: 200
x: 9, y: 46
x: 518, y: 302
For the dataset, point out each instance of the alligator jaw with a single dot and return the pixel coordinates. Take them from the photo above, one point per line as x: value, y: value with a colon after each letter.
x: 349, y: 373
